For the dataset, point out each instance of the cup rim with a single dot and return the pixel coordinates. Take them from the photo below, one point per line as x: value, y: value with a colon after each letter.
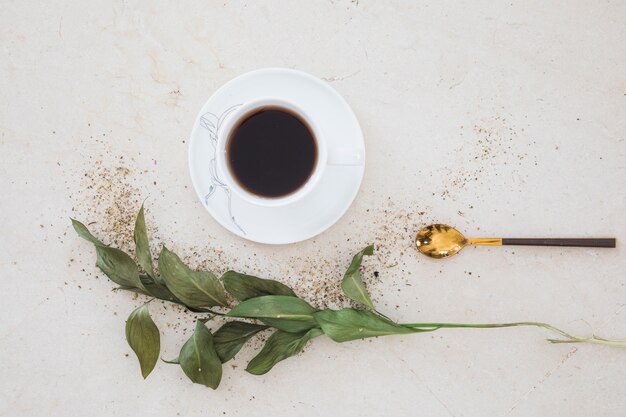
x: 224, y: 168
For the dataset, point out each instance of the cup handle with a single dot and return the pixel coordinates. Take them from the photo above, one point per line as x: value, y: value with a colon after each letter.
x: 346, y: 156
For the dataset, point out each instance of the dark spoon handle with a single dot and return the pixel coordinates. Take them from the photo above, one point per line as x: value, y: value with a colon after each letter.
x: 586, y: 243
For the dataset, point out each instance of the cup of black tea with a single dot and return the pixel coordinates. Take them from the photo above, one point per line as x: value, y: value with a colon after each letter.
x: 271, y: 153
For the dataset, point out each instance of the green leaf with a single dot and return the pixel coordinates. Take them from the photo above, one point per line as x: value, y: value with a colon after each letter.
x: 118, y: 266
x: 199, y: 359
x: 283, y: 312
x: 350, y: 324
x: 244, y: 287
x: 230, y: 338
x: 143, y: 337
x: 142, y: 244
x: 280, y: 345
x: 156, y: 289
x: 83, y: 232
x: 352, y: 283
x: 195, y: 289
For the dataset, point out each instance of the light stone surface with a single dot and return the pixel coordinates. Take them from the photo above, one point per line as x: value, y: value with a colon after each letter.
x: 502, y: 118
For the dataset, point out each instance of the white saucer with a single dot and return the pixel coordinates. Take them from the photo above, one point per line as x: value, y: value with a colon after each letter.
x: 315, y: 212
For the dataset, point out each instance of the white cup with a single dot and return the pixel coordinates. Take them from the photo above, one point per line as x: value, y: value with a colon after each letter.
x: 326, y: 154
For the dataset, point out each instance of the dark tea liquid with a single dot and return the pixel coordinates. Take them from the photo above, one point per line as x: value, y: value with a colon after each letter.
x: 271, y: 152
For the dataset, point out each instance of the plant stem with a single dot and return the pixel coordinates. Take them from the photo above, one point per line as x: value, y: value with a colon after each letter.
x: 215, y: 313
x: 382, y: 315
x: 567, y: 338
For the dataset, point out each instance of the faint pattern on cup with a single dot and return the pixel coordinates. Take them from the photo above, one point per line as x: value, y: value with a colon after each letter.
x: 213, y: 123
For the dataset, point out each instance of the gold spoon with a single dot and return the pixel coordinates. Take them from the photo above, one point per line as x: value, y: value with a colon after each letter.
x: 440, y: 241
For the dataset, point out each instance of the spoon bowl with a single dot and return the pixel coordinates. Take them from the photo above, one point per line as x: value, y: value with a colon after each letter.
x: 439, y: 241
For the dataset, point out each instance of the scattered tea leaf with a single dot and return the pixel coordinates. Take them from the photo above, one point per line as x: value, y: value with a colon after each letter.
x: 280, y: 345
x: 352, y: 283
x: 244, y: 287
x: 283, y: 312
x: 231, y: 337
x: 350, y: 324
x: 142, y: 244
x: 195, y: 289
x: 199, y: 359
x: 144, y: 338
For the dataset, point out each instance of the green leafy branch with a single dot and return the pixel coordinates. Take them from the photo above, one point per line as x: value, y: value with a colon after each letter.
x: 294, y: 321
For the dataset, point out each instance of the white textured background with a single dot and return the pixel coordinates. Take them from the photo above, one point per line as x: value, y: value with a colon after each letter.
x: 502, y: 118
